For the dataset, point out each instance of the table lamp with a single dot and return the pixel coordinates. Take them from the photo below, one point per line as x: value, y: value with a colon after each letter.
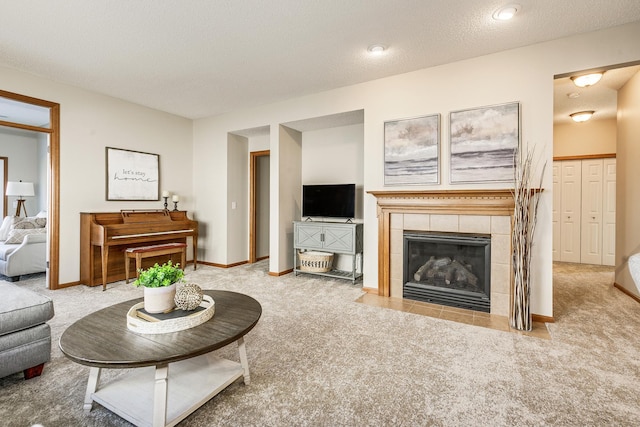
x: 20, y: 189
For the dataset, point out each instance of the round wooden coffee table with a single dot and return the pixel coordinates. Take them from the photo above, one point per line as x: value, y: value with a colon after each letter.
x: 102, y: 340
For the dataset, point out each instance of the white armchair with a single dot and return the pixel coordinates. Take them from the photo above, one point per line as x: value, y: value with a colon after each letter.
x: 27, y: 257
x: 634, y: 268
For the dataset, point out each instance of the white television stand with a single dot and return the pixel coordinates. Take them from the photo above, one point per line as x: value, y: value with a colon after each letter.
x: 334, y: 237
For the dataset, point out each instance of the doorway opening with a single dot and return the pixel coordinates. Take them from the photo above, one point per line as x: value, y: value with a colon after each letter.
x: 46, y: 121
x: 4, y: 167
x: 584, y: 169
x: 259, y: 172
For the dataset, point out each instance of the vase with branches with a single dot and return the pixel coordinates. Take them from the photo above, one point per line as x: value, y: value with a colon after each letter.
x: 526, y: 198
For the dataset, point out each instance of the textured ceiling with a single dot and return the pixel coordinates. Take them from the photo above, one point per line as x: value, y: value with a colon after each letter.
x: 601, y: 97
x: 198, y: 58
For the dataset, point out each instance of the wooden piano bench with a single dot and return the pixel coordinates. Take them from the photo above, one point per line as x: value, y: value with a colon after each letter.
x: 141, y: 252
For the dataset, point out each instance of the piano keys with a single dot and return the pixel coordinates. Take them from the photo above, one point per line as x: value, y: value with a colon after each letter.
x: 104, y: 236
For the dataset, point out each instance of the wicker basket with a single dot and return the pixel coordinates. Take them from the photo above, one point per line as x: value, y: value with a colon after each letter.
x: 316, y: 262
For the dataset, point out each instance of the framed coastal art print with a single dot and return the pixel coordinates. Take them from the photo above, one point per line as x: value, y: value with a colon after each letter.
x: 483, y: 142
x: 132, y: 175
x: 411, y: 151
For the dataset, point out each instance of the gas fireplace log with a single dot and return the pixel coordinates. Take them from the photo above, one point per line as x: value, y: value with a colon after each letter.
x: 463, y: 275
x: 438, y: 269
x: 432, y: 268
x: 465, y: 263
x: 441, y: 262
x: 449, y: 271
x: 417, y: 276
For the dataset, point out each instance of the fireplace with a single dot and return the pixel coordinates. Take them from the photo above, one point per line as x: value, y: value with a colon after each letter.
x: 479, y: 211
x: 448, y: 268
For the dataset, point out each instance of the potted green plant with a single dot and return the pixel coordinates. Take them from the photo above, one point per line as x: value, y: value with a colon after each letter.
x: 159, y: 284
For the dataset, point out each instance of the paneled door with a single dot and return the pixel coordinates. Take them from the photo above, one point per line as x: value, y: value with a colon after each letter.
x: 609, y: 212
x: 556, y: 210
x: 591, y: 239
x: 584, y: 211
x: 570, y: 206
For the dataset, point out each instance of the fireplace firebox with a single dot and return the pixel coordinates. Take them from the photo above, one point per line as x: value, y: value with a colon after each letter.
x: 450, y: 269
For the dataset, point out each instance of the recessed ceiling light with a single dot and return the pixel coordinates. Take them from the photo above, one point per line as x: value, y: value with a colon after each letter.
x: 573, y: 95
x: 377, y: 49
x: 506, y: 12
x: 581, y: 116
x: 587, y: 79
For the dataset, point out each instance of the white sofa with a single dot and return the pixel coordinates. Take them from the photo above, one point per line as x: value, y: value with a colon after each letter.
x: 22, y: 251
x: 634, y: 268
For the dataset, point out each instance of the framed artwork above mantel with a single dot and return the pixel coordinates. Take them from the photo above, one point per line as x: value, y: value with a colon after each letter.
x: 132, y: 175
x: 412, y: 151
x: 483, y: 142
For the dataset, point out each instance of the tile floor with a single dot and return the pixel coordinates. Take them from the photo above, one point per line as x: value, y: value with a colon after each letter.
x: 486, y: 320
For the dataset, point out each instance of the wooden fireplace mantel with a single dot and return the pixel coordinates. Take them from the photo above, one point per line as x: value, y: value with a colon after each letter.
x: 443, y: 202
x: 469, y: 202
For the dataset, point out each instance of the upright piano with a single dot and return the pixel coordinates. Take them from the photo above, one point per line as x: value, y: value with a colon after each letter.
x: 104, y: 236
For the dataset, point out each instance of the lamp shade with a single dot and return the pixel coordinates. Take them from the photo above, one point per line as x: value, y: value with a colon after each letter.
x: 20, y: 189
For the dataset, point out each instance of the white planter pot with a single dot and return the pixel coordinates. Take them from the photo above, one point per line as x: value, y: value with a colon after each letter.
x: 159, y: 300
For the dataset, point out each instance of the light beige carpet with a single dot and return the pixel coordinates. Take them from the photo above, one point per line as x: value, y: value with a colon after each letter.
x: 318, y: 358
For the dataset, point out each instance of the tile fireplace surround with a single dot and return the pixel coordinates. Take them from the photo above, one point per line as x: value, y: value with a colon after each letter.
x: 461, y: 211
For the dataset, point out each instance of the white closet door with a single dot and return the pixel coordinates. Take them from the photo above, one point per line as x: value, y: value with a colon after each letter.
x: 609, y: 212
x: 556, y: 212
x: 571, y: 183
x: 591, y: 240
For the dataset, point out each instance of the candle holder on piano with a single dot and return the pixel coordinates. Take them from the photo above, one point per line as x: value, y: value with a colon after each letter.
x: 166, y: 205
x: 175, y: 206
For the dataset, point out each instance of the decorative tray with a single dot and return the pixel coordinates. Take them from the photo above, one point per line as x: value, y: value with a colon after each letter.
x: 178, y: 320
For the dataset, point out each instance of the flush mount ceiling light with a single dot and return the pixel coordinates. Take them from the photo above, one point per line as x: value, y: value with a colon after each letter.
x: 376, y: 49
x: 581, y: 116
x: 506, y: 12
x: 587, y: 79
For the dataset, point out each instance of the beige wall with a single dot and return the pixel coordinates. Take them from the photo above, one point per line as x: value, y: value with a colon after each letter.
x: 21, y: 149
x: 238, y: 203
x: 524, y: 75
x: 628, y: 182
x: 90, y: 122
x: 591, y: 137
x: 341, y: 154
x: 288, y: 199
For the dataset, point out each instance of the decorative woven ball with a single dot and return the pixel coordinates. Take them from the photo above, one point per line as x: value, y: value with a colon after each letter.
x: 188, y: 297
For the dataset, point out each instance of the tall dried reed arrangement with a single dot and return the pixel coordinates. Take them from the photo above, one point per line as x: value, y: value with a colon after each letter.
x: 526, y: 200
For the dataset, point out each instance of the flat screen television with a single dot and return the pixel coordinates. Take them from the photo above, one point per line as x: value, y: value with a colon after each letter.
x: 329, y: 200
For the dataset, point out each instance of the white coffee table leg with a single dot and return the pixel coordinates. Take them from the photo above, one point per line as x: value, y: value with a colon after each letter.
x: 92, y: 384
x: 160, y: 396
x: 243, y: 360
